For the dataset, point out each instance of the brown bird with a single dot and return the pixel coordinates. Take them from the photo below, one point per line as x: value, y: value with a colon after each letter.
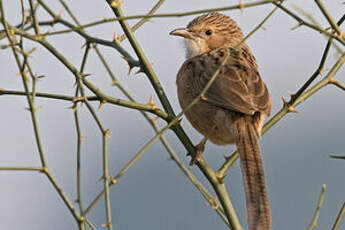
x: 234, y: 106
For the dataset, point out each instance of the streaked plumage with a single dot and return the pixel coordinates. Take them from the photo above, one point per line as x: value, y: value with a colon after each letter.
x: 235, y: 105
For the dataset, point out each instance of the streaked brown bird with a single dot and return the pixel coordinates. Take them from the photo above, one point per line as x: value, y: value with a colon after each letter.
x: 235, y: 105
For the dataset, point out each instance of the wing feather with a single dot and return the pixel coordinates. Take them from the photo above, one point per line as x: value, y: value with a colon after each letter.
x: 238, y: 86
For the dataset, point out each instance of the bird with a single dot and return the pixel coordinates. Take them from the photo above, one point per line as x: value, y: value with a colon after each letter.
x: 233, y: 108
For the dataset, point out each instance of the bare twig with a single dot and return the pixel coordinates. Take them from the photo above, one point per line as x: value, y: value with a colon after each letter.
x: 339, y: 218
x: 313, y: 223
x: 329, y: 18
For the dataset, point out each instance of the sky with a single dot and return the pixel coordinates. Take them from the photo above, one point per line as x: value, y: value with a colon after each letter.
x: 154, y: 193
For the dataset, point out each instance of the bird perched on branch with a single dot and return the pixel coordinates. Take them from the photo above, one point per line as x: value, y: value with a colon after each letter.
x: 234, y: 106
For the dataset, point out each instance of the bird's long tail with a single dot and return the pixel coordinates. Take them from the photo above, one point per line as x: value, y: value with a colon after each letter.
x: 246, y: 138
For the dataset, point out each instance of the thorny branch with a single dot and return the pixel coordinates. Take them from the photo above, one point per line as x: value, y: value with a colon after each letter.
x: 216, y: 178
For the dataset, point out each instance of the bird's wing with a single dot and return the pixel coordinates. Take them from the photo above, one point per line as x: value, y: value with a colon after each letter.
x: 237, y: 87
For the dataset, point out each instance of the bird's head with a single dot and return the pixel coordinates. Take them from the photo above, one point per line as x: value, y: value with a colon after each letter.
x: 208, y: 32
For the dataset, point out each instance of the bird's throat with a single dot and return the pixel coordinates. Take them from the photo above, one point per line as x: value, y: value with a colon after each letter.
x: 194, y: 47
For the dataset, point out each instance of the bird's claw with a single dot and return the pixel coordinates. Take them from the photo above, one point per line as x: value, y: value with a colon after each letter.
x: 199, y: 149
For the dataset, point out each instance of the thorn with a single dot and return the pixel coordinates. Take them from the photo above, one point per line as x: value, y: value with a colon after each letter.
x: 151, y: 100
x: 322, y: 70
x: 81, y: 137
x: 154, y: 120
x: 296, y: 26
x: 292, y: 109
x: 203, y: 98
x: 113, y: 180
x: 116, y: 3
x: 340, y: 35
x: 85, y: 74
x: 73, y: 107
x: 60, y: 14
x: 241, y: 6
x: 106, y: 225
x: 131, y: 66
x: 154, y: 107
x: 22, y: 73
x: 328, y: 28
x: 116, y: 38
x: 107, y: 133
x: 85, y: 44
x: 263, y: 28
x: 213, y: 202
x: 34, y: 109
x: 290, y: 94
x: 283, y: 99
x: 215, y: 207
x: 139, y: 71
x: 52, y: 22
x: 101, y: 103
x: 115, y: 82
x: 30, y: 51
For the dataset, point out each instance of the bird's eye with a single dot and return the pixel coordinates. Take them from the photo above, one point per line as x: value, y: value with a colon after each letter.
x: 208, y: 32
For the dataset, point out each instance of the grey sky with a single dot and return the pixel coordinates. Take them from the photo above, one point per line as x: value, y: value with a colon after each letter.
x: 154, y: 194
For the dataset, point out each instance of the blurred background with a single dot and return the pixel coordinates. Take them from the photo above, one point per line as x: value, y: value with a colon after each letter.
x: 154, y: 193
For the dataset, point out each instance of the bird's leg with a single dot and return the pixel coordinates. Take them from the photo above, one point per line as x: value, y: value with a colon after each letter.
x: 199, y: 150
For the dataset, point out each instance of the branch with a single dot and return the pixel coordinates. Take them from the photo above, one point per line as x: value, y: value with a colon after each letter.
x: 338, y: 157
x: 302, y: 22
x: 329, y: 18
x: 100, y: 97
x: 165, y: 15
x: 339, y: 218
x: 88, y: 38
x: 313, y: 223
x: 20, y: 168
x: 289, y: 106
x: 337, y: 84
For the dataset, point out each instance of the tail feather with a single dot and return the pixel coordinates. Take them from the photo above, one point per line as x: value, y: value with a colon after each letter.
x: 258, y: 210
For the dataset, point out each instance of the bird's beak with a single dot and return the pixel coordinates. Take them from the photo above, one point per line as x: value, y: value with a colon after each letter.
x: 182, y: 32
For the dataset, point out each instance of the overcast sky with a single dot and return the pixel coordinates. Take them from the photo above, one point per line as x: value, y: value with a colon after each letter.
x: 154, y: 193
